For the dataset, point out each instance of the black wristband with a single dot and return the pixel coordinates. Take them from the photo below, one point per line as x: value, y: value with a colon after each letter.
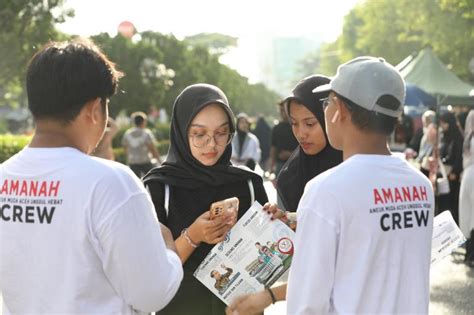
x: 272, y: 295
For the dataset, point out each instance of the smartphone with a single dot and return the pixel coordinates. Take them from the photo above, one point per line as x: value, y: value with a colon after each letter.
x: 219, y: 207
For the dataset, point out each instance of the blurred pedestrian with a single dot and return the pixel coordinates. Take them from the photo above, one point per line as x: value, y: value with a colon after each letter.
x: 245, y: 145
x: 450, y: 153
x: 283, y: 142
x: 423, y: 151
x: 140, y: 146
x: 466, y: 195
x: 426, y: 118
x: 263, y: 132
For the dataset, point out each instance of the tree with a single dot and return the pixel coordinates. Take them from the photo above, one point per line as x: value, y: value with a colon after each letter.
x: 395, y: 29
x: 216, y: 43
x: 146, y: 77
x: 158, y: 67
x: 25, y: 25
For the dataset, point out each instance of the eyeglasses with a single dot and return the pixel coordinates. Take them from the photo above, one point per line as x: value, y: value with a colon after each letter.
x: 202, y: 140
x: 325, y: 102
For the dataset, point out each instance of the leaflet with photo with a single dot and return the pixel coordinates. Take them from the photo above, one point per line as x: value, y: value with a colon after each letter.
x: 255, y: 254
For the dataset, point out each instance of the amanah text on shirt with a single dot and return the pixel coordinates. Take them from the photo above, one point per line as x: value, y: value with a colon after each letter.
x: 399, y: 207
x: 29, y: 201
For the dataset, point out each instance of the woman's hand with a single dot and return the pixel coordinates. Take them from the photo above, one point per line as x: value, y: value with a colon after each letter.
x: 275, y: 212
x: 452, y: 177
x: 289, y: 218
x: 212, y: 231
x: 247, y: 304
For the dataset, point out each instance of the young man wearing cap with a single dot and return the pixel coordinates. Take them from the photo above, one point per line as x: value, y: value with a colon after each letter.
x: 363, y: 241
x: 78, y: 235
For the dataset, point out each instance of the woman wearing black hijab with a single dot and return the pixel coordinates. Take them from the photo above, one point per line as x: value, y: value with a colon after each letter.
x: 450, y: 152
x: 313, y: 156
x: 196, y: 173
x: 245, y: 145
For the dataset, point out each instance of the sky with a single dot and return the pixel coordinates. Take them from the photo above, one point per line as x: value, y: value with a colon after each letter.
x: 246, y: 19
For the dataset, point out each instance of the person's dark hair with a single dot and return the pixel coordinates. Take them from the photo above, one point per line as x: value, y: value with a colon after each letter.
x: 452, y: 121
x: 63, y: 76
x: 369, y: 120
x: 138, y: 118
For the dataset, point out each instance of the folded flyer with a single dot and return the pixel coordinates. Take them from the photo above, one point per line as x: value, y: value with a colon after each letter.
x: 446, y: 236
x: 255, y: 254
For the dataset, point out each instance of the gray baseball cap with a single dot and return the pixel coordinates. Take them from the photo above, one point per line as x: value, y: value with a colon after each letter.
x: 371, y: 83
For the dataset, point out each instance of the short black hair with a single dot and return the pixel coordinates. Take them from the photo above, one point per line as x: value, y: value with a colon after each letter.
x: 138, y: 118
x: 369, y: 120
x: 63, y: 76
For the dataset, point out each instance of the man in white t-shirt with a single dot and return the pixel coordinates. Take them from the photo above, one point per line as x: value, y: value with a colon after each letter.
x: 363, y: 241
x: 78, y: 234
x: 139, y: 145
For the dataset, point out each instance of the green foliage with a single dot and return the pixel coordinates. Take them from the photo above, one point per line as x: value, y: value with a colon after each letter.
x: 189, y: 65
x: 25, y: 25
x: 215, y: 42
x: 160, y: 131
x: 3, y: 126
x: 157, y: 67
x: 120, y: 156
x: 395, y: 29
x: 11, y: 144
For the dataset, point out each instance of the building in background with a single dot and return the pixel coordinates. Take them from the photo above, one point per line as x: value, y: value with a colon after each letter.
x: 278, y: 59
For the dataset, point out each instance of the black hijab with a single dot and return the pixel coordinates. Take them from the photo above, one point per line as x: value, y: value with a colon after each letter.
x: 181, y: 168
x: 241, y: 134
x: 300, y: 167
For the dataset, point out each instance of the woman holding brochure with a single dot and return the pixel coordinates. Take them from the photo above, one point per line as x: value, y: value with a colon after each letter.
x: 313, y: 156
x: 197, y: 172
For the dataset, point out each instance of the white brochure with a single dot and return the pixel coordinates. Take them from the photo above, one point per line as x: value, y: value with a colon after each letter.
x: 446, y: 236
x: 254, y: 255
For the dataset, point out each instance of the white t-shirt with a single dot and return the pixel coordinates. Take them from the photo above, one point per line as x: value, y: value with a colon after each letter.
x: 250, y: 149
x: 137, y: 140
x: 363, y: 241
x: 79, y: 235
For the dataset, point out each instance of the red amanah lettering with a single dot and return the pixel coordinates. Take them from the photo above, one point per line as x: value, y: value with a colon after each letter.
x: 387, y: 195
x: 377, y: 197
x: 416, y: 196
x: 4, y: 187
x: 398, y: 196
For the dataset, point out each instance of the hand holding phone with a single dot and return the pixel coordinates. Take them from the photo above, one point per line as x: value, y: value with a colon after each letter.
x: 226, y: 205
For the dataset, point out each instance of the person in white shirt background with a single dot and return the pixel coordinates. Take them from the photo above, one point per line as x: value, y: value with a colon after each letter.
x: 78, y: 234
x: 245, y: 145
x: 466, y: 195
x: 363, y: 242
x: 139, y: 144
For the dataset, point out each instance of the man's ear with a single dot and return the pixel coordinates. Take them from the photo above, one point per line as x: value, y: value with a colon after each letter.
x: 93, y: 111
x: 342, y: 111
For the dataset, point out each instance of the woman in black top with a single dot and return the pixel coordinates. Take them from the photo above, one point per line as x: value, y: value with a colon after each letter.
x: 313, y: 156
x: 450, y: 153
x: 197, y: 172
